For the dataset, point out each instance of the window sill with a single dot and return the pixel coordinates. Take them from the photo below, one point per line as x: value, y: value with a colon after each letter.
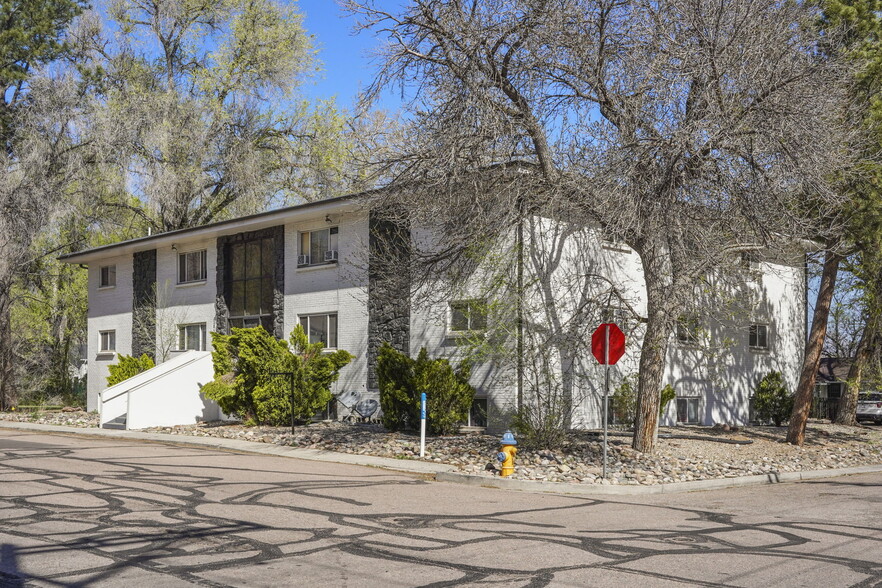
x: 105, y: 355
x: 102, y: 288
x: 465, y: 334
x: 191, y: 284
x: 759, y: 349
x: 316, y: 266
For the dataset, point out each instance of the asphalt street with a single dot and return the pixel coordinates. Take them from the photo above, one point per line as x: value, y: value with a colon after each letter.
x: 84, y: 512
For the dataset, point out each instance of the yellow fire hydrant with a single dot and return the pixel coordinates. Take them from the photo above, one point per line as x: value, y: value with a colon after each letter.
x: 507, y: 454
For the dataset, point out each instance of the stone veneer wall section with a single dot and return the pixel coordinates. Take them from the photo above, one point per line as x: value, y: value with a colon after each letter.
x: 144, y: 303
x: 388, y: 290
x: 220, y: 305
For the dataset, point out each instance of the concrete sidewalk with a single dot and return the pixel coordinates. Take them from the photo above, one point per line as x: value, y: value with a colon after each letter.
x: 439, y: 471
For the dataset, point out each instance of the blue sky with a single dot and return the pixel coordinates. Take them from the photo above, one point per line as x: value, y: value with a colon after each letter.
x: 347, y: 64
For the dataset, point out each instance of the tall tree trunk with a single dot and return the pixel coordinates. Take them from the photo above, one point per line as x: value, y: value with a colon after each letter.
x: 848, y: 400
x: 802, y: 403
x: 6, y: 385
x: 652, y: 368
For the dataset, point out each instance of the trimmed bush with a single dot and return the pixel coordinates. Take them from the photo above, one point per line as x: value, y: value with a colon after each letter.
x: 128, y: 367
x: 772, y: 401
x: 402, y: 380
x: 624, y: 401
x: 244, y: 384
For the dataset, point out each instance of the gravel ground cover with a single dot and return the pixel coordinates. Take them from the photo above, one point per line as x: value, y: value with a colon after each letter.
x: 579, y: 462
x: 69, y: 418
x: 676, y: 460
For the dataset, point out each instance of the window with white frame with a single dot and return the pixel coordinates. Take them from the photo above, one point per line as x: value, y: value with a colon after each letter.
x: 687, y: 330
x: 321, y: 328
x: 106, y: 341
x: 318, y: 247
x: 107, y: 276
x: 687, y: 410
x: 468, y: 315
x: 758, y: 337
x: 191, y: 337
x: 192, y: 266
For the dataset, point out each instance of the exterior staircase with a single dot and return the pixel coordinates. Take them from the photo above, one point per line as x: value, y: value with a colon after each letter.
x: 117, y: 423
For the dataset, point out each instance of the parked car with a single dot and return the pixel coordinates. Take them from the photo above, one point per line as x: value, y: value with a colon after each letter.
x: 869, y: 407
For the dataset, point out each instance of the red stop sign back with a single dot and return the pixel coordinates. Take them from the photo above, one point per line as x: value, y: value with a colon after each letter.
x: 616, y: 343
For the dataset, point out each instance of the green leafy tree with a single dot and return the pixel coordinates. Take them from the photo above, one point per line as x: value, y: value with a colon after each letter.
x: 772, y: 401
x: 200, y: 113
x: 246, y: 364
x: 127, y: 367
x: 403, y: 380
x: 36, y: 158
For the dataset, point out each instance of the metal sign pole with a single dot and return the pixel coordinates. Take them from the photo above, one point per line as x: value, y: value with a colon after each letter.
x: 423, y: 424
x: 605, y: 397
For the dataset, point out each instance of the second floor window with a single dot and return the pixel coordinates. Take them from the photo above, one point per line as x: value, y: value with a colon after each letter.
x: 687, y: 330
x: 107, y: 277
x: 192, y: 267
x: 318, y: 247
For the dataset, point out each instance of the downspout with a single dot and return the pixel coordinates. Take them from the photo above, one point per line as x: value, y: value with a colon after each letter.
x: 520, y: 309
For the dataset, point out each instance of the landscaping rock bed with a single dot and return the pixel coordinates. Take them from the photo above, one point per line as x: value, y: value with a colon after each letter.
x: 763, y: 450
x: 676, y: 460
x: 67, y: 417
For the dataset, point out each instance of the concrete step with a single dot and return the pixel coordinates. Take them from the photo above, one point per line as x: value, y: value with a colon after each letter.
x: 117, y: 423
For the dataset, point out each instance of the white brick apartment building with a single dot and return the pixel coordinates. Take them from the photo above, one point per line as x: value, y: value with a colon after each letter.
x: 310, y: 264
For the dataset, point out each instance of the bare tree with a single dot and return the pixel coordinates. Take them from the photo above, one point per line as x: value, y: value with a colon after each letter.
x: 692, y: 130
x: 40, y: 179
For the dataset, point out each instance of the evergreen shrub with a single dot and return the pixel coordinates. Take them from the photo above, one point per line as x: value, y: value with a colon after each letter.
x: 772, y: 401
x: 402, y: 380
x: 244, y: 384
x: 128, y: 367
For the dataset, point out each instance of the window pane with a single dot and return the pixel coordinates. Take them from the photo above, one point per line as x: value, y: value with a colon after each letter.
x: 304, y: 243
x: 318, y: 329
x: 459, y: 320
x: 692, y: 410
x: 477, y: 315
x: 182, y: 268
x: 203, y: 263
x: 762, y: 336
x: 237, y: 299
x: 268, y: 258
x: 681, y: 410
x: 304, y: 322
x: 751, y: 338
x: 252, y: 297
x: 237, y: 261
x: 266, y: 300
x: 332, y: 331
x: 252, y: 259
x: 318, y: 245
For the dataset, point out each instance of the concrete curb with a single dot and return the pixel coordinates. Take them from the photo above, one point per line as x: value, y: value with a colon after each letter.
x: 442, y: 472
x: 636, y: 490
x: 411, y: 466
